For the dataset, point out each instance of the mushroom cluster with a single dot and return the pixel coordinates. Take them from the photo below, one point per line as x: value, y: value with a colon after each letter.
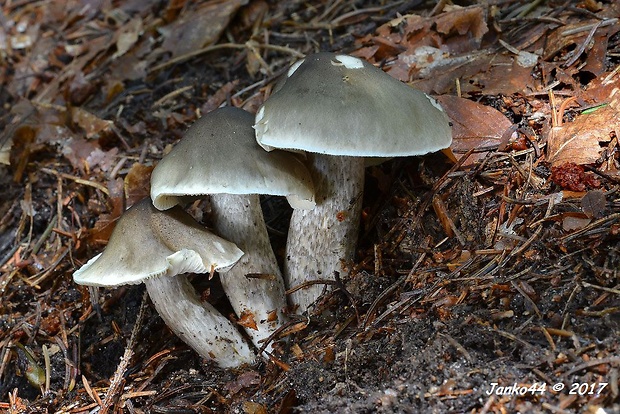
x: 337, y: 109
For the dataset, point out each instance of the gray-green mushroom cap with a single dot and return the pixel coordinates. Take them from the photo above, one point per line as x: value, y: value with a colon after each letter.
x: 148, y: 243
x: 341, y: 105
x: 219, y: 155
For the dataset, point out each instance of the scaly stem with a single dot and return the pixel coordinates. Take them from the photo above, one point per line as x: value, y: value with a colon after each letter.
x: 198, y: 323
x: 319, y: 240
x: 260, y: 298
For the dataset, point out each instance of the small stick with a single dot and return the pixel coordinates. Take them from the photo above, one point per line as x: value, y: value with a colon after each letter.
x: 118, y: 379
x: 77, y: 180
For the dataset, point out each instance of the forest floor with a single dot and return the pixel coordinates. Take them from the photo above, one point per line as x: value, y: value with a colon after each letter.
x: 486, y: 286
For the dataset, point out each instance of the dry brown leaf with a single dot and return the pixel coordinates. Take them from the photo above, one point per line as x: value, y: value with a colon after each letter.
x: 137, y: 183
x: 5, y: 149
x: 101, y: 231
x: 127, y: 67
x: 558, y: 39
x: 594, y: 204
x: 575, y: 221
x: 272, y: 316
x: 426, y: 43
x: 569, y: 36
x: 597, y: 55
x: 247, y: 379
x: 579, y: 141
x: 506, y: 74
x: 199, y: 27
x: 433, y: 52
x: 246, y: 319
x: 251, y: 407
x: 90, y: 123
x: 470, y: 21
x: 105, y: 160
x: 473, y: 125
x: 604, y: 88
x: 23, y: 145
x: 96, y: 47
x: 77, y: 150
x: 80, y: 88
x: 216, y: 99
x: 127, y: 36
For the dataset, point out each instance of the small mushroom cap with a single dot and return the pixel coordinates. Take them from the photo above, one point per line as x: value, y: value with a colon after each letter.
x: 219, y: 155
x: 148, y: 243
x: 341, y: 105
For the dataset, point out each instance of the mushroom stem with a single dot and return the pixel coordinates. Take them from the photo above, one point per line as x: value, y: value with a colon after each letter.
x: 262, y: 297
x: 321, y: 239
x: 198, y: 323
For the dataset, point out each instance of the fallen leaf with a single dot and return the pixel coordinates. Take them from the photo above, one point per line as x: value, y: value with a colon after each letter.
x: 246, y: 319
x: 105, y: 160
x: 571, y: 222
x: 101, y: 231
x: 23, y: 145
x: 594, y: 204
x: 468, y: 22
x: 137, y: 183
x: 272, y: 316
x: 248, y: 379
x: 199, y: 27
x: 569, y: 36
x: 288, y: 403
x: 6, y: 143
x: 92, y: 125
x: 579, y: 141
x: 77, y: 150
x: 252, y: 15
x: 603, y: 89
x: 250, y: 407
x: 329, y: 355
x: 127, y: 36
x: 80, y: 89
x: 433, y: 52
x: 216, y: 99
x: 597, y: 55
x: 126, y: 68
x: 473, y: 125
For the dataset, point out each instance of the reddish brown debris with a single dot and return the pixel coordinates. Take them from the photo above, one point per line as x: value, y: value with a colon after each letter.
x: 573, y: 177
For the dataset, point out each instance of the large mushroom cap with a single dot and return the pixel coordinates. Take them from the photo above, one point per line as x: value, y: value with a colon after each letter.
x: 219, y: 155
x: 149, y: 243
x: 341, y: 105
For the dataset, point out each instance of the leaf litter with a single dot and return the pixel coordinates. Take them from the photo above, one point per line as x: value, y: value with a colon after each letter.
x: 510, y: 278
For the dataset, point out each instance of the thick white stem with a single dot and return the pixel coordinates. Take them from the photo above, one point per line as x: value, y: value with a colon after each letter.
x: 262, y: 298
x: 198, y: 323
x: 320, y: 239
